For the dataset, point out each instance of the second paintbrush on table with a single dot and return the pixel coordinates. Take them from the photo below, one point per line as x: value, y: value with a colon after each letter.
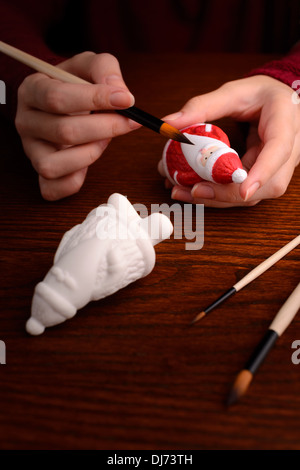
x: 260, y: 269
x: 282, y: 320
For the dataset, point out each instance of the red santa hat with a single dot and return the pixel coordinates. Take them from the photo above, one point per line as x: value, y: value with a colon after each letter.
x: 228, y: 169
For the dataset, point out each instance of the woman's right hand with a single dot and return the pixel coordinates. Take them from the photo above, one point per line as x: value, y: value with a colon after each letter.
x: 58, y: 133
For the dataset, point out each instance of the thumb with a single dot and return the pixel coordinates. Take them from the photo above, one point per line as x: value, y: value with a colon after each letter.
x: 225, y: 101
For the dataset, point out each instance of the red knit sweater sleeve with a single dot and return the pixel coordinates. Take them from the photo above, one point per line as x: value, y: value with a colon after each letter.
x: 286, y: 69
x: 24, y: 25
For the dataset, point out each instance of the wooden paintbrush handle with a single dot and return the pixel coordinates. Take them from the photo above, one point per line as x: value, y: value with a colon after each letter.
x: 287, y: 312
x: 261, y: 268
x: 40, y: 65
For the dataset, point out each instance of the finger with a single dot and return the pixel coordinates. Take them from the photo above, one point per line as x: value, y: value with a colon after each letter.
x: 54, y: 96
x: 228, y: 100
x: 51, y: 163
x: 203, y: 108
x: 277, y: 148
x: 278, y: 184
x: 251, y: 154
x: 95, y: 68
x: 76, y: 129
x: 228, y: 193
x: 184, y: 195
x: 225, y: 205
x: 53, y: 190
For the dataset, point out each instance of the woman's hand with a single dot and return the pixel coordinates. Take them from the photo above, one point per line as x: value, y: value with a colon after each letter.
x: 273, y: 144
x: 58, y: 133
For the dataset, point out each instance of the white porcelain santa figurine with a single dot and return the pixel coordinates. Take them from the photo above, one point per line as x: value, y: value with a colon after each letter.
x: 209, y: 159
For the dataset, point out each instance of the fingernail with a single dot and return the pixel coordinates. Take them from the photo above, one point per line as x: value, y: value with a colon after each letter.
x: 250, y: 191
x: 182, y: 195
x: 172, y: 117
x: 121, y: 99
x: 203, y: 191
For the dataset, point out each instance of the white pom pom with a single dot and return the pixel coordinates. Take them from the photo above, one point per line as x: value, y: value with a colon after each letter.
x: 34, y: 327
x: 158, y: 227
x: 239, y: 175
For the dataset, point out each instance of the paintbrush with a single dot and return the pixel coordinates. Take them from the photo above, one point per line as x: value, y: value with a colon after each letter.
x: 256, y: 272
x: 280, y: 323
x: 133, y: 113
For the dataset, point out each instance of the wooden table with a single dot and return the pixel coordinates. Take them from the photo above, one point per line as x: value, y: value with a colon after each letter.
x: 128, y: 372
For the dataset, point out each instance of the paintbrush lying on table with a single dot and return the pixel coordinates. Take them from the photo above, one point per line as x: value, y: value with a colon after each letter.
x: 256, y: 272
x: 133, y: 113
x: 280, y: 323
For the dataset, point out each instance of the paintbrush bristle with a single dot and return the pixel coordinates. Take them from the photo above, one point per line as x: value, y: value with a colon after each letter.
x: 215, y: 304
x: 173, y: 133
x: 240, y: 386
x: 198, y: 317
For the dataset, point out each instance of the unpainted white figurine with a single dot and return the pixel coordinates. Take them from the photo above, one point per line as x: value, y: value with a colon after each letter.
x: 110, y: 249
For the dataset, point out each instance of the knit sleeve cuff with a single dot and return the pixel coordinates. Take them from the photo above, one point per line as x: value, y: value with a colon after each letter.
x: 287, y: 69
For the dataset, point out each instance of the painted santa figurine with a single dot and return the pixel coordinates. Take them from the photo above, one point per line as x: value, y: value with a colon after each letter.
x: 209, y: 159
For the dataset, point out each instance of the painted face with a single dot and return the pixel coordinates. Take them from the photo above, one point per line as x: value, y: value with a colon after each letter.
x: 206, y: 153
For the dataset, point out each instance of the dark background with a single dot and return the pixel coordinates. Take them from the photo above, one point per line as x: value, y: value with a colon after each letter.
x: 266, y: 26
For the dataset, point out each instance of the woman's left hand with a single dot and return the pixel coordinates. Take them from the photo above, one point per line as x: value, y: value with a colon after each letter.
x: 273, y: 144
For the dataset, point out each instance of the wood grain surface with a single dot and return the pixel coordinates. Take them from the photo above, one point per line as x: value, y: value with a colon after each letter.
x: 128, y: 372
